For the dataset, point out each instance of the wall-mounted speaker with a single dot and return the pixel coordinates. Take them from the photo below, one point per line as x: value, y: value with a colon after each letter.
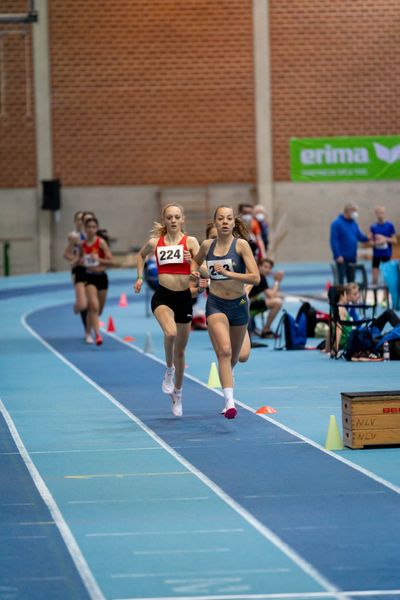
x: 51, y: 194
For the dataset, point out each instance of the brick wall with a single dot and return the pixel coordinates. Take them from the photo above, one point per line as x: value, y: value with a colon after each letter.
x: 156, y: 92
x: 161, y: 92
x: 335, y: 71
x: 17, y: 129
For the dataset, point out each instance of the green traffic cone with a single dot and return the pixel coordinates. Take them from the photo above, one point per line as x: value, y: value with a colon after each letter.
x: 213, y: 378
x: 333, y: 438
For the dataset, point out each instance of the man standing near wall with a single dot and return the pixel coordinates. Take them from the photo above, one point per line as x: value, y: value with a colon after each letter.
x: 345, y: 235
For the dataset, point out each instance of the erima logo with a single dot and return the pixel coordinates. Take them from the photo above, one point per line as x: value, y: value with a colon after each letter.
x: 334, y: 156
x: 387, y: 155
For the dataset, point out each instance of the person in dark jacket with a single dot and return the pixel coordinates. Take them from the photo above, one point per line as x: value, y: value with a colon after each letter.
x: 344, y: 238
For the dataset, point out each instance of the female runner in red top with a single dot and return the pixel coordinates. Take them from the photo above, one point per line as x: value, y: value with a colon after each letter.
x: 172, y: 301
x: 95, y: 257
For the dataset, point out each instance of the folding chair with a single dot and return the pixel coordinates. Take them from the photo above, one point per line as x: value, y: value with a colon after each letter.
x: 362, y: 280
x: 339, y: 328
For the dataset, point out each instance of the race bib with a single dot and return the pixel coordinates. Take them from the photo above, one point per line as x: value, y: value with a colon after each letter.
x: 168, y: 255
x: 91, y: 260
x: 225, y: 262
x: 383, y: 246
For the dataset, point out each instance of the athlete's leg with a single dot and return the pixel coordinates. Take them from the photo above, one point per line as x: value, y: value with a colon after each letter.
x: 245, y: 349
x: 93, y: 309
x: 183, y: 331
x: 237, y: 335
x: 80, y: 297
x: 218, y: 330
x: 166, y: 320
x: 102, y: 294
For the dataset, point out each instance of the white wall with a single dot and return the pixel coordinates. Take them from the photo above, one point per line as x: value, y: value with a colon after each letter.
x: 18, y: 219
x: 311, y: 207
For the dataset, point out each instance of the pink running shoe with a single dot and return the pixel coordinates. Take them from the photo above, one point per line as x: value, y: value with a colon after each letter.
x: 230, y: 413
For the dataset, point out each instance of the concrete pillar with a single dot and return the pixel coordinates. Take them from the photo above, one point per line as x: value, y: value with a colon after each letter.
x: 44, y: 149
x: 262, y: 84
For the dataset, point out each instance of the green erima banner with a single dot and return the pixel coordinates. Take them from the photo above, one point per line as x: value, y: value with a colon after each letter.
x: 345, y: 158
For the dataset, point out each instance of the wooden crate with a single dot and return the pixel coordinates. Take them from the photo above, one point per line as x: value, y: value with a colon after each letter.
x: 370, y: 418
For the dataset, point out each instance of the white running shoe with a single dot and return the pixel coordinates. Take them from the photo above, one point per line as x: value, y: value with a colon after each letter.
x: 167, y: 385
x: 176, y: 404
x: 89, y: 339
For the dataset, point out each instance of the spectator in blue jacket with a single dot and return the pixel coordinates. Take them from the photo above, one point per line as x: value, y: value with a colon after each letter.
x: 383, y: 236
x: 345, y: 235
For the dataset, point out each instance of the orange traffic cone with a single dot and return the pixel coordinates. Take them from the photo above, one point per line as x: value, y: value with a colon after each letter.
x: 110, y: 326
x: 123, y: 301
x: 266, y: 410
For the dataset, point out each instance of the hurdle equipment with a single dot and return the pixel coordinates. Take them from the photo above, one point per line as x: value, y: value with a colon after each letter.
x: 371, y: 418
x: 110, y: 325
x: 123, y: 301
x: 148, y: 344
x: 333, y: 439
x: 213, y: 377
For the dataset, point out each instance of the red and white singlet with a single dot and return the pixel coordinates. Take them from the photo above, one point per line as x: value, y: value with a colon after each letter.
x: 91, y: 254
x: 170, y: 258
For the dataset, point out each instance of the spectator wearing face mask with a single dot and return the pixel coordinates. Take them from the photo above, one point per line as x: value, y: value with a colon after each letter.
x: 246, y: 214
x: 261, y: 218
x: 344, y: 238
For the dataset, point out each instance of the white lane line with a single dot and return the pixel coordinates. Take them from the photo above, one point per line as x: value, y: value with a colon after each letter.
x: 311, y: 495
x: 31, y: 523
x: 278, y: 387
x: 33, y: 579
x: 304, y: 565
x: 183, y: 551
x: 289, y: 596
x: 196, y: 574
x: 139, y: 500
x: 122, y: 475
x: 69, y: 540
x: 170, y: 532
x: 23, y: 537
x: 89, y: 450
x: 17, y: 503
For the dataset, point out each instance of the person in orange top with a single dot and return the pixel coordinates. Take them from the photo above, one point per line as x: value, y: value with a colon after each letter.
x: 172, y: 301
x: 95, y: 256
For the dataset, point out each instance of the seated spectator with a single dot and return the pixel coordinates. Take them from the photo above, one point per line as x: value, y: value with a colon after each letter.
x: 339, y: 333
x: 263, y: 298
x: 353, y: 297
